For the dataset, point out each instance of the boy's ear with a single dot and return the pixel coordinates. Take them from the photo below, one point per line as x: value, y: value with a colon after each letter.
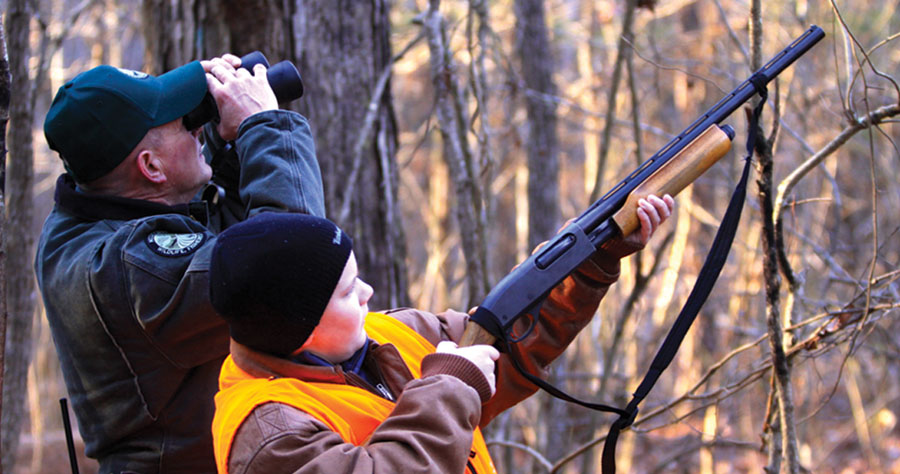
x: 151, y: 166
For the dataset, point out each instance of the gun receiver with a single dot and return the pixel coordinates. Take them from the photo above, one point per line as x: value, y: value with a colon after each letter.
x: 668, y: 171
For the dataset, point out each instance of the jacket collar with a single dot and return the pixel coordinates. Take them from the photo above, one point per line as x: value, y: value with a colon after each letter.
x: 98, y: 207
x: 262, y: 365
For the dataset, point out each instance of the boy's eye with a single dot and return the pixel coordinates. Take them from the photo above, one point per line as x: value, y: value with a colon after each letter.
x: 351, y: 287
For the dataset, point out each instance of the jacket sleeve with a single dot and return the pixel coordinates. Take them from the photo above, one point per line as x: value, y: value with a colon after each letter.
x: 279, y: 170
x: 430, y: 430
x: 569, y: 308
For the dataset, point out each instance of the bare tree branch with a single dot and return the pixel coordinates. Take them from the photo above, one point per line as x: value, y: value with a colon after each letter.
x: 457, y: 153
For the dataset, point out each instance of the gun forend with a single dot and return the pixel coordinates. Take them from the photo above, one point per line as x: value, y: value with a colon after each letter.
x: 678, y: 173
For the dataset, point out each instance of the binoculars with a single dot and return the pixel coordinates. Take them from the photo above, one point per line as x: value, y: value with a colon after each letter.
x: 284, y: 79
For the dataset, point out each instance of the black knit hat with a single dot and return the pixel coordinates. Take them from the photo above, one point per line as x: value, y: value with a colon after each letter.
x: 272, y: 276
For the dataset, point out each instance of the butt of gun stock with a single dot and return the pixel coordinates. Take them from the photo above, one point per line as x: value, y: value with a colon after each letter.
x: 677, y: 174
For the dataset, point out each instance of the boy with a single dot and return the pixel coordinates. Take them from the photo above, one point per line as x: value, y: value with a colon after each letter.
x: 316, y: 383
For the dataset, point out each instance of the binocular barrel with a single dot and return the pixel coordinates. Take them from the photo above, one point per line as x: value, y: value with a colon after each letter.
x: 283, y: 77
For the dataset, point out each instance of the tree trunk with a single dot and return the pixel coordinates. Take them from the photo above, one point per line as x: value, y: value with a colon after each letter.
x: 345, y: 49
x: 772, y: 279
x: 201, y: 29
x: 534, y: 52
x: 4, y: 118
x: 18, y: 234
x: 535, y: 55
x: 170, y: 30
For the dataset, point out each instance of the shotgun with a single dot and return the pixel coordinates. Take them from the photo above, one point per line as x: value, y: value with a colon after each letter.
x: 676, y: 165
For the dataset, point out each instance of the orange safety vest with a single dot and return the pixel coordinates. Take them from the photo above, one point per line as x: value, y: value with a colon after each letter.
x: 352, y: 412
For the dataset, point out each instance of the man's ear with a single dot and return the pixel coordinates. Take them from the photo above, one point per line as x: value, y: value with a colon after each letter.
x: 151, y: 166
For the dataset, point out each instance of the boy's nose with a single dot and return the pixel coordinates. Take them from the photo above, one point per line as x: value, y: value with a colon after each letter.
x: 366, y: 293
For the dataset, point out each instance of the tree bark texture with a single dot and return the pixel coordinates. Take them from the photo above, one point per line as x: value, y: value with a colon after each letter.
x: 170, y: 32
x: 536, y: 58
x: 344, y: 48
x: 4, y: 119
x: 535, y: 55
x: 177, y: 32
x: 18, y: 240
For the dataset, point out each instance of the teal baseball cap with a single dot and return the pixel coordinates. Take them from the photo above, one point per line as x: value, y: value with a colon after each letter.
x: 97, y: 118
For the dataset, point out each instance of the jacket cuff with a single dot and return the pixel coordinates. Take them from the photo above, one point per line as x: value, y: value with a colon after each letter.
x: 441, y: 363
x: 603, y: 266
x: 275, y: 115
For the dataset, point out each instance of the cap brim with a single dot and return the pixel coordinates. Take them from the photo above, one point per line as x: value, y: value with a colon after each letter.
x: 183, y: 89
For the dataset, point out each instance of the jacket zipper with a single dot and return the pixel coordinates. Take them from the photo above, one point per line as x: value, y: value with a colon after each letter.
x: 384, y: 392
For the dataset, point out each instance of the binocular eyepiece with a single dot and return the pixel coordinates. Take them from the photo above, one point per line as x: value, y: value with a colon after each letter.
x: 284, y: 79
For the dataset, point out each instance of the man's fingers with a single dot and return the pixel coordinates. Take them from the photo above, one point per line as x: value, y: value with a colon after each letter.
x: 241, y: 72
x: 213, y: 83
x: 227, y: 61
x: 232, y: 59
x: 259, y: 70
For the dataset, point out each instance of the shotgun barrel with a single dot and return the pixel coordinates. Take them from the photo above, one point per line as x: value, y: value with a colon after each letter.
x: 673, y: 167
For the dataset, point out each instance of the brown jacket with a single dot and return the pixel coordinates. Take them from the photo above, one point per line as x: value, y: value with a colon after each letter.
x: 434, y: 415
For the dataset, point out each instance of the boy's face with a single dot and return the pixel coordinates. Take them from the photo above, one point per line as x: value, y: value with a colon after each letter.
x: 340, y: 332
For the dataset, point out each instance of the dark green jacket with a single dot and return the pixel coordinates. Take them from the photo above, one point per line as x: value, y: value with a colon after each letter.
x: 125, y: 286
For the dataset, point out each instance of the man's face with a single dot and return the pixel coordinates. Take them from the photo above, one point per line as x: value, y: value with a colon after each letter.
x: 186, y: 169
x: 340, y: 332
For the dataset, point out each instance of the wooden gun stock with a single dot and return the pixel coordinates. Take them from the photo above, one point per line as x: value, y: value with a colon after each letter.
x: 475, y: 334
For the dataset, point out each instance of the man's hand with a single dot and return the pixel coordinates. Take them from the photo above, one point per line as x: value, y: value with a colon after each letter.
x: 482, y: 355
x: 238, y: 93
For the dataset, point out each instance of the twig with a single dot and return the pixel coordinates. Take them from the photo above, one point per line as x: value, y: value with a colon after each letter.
x: 875, y: 117
x: 664, y: 465
x: 731, y: 33
x: 527, y: 449
x: 624, y: 50
x: 816, y: 342
x: 50, y: 45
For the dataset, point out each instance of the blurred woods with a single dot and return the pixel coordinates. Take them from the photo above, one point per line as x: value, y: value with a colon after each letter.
x: 453, y: 136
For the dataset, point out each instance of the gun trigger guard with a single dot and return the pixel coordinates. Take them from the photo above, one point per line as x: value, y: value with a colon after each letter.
x: 534, y: 313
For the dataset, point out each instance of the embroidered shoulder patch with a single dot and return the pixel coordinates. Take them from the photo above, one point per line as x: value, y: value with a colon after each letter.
x: 168, y: 244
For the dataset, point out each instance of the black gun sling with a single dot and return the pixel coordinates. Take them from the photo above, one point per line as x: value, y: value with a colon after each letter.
x: 706, y: 279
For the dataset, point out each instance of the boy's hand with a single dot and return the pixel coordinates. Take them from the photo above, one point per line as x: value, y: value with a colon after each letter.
x: 238, y: 93
x: 483, y: 356
x: 652, y: 212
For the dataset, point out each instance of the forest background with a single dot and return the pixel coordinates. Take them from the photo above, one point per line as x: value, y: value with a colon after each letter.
x: 454, y: 136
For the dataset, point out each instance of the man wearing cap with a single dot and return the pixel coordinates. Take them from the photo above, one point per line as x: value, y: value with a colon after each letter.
x: 123, y: 258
